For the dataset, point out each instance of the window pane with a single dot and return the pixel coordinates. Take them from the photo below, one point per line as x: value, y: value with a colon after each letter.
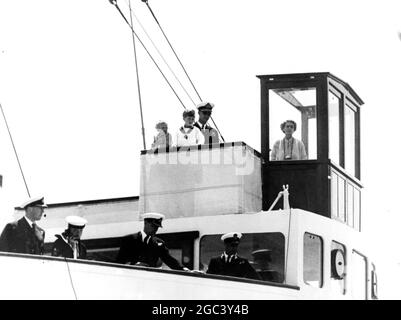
x: 298, y: 105
x: 334, y: 195
x: 350, y: 205
x: 313, y: 260
x: 358, y: 276
x: 334, y: 128
x: 357, y: 209
x: 341, y: 199
x: 349, y: 136
x: 264, y: 251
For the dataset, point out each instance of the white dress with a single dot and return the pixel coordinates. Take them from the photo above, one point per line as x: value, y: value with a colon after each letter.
x: 189, y: 137
x: 289, y: 149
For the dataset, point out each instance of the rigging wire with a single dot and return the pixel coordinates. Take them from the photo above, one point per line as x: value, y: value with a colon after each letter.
x: 171, y: 46
x: 190, y: 80
x: 161, y: 55
x: 15, y: 151
x: 70, y: 276
x: 137, y: 81
x: 114, y: 2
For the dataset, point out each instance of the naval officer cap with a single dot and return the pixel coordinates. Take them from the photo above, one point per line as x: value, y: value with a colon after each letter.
x: 231, y: 237
x: 205, y: 106
x: 155, y: 218
x: 76, y: 222
x: 34, y: 202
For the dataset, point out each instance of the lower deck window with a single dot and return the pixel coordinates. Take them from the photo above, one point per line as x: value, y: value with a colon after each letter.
x: 313, y: 260
x: 264, y: 252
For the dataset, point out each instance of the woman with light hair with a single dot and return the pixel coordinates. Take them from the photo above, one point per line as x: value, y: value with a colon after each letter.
x: 288, y: 148
x: 163, y: 139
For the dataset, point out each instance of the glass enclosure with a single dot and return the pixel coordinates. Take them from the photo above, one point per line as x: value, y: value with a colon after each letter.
x: 298, y: 142
x: 313, y: 117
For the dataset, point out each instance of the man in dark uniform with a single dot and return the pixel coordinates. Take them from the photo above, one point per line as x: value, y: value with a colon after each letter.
x: 69, y: 244
x: 205, y: 111
x: 24, y: 236
x: 229, y: 263
x: 144, y: 248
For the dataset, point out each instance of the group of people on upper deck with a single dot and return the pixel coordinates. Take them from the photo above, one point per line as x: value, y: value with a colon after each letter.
x: 200, y: 132
x: 191, y: 133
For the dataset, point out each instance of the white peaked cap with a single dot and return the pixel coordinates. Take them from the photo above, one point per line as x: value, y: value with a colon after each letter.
x: 205, y: 104
x: 76, y: 221
x: 153, y: 215
x: 230, y: 235
x: 37, y: 201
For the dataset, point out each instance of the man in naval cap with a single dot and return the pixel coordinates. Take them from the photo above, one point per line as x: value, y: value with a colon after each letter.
x: 23, y: 235
x: 229, y: 263
x: 144, y: 248
x: 205, y: 111
x: 69, y: 244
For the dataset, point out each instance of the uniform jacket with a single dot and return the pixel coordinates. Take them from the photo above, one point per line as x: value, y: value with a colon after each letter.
x: 134, y: 250
x: 20, y: 237
x: 238, y: 267
x: 211, y: 135
x: 62, y: 249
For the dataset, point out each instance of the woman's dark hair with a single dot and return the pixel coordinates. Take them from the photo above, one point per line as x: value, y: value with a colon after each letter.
x: 285, y: 122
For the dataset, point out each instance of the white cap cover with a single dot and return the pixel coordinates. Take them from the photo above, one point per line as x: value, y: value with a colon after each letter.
x: 230, y: 235
x: 76, y: 221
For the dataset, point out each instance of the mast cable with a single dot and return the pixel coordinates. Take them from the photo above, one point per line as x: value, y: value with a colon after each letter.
x: 154, y: 16
x: 165, y: 36
x: 288, y: 245
x: 137, y: 81
x: 161, y: 55
x: 15, y: 151
x: 114, y: 2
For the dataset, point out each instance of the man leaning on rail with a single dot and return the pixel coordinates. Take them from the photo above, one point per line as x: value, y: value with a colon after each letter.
x: 144, y: 248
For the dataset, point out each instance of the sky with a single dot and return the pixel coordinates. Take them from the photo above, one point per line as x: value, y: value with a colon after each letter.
x: 68, y: 88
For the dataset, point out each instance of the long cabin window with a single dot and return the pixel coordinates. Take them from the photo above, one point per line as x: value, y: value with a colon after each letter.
x: 264, y: 251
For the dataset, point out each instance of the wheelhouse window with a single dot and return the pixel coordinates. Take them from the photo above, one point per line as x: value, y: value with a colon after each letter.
x: 334, y: 126
x: 349, y: 136
x: 345, y: 200
x: 264, y: 251
x: 338, y: 267
x: 299, y: 106
x: 313, y: 260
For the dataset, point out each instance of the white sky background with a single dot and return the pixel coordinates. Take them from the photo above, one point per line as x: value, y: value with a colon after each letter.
x: 68, y: 87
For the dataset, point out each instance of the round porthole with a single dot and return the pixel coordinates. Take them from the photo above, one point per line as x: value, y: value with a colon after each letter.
x: 338, y: 264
